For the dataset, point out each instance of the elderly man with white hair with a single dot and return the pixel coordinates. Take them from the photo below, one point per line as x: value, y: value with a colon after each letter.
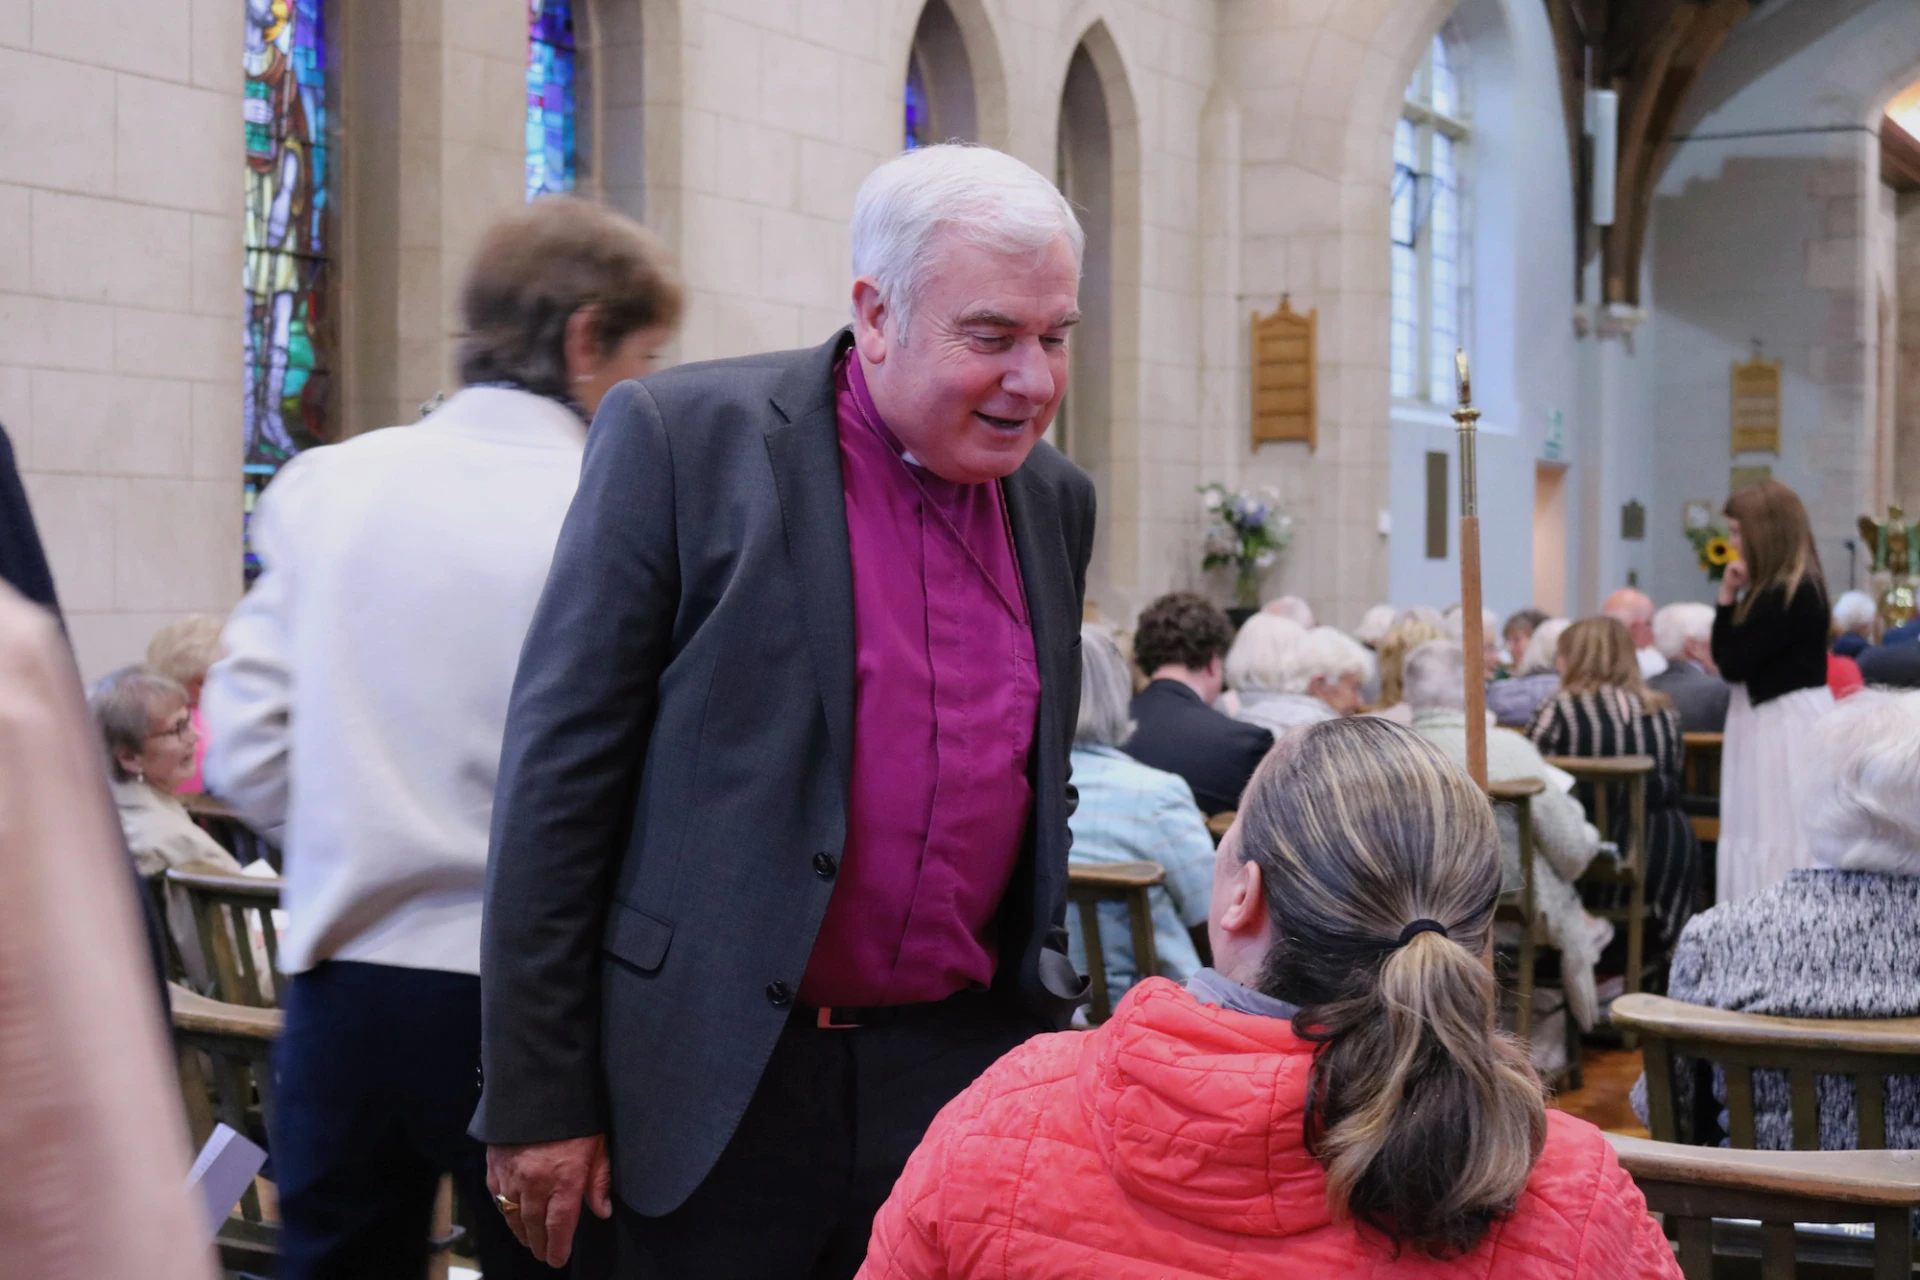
x: 1684, y: 635
x: 780, y: 846
x: 1853, y: 618
x: 1834, y: 941
x: 1564, y: 842
x: 1633, y: 609
x: 1287, y: 675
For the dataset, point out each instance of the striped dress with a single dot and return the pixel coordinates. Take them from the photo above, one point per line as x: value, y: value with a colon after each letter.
x: 1614, y: 722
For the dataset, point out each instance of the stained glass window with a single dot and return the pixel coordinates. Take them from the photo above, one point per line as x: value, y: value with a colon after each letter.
x: 918, y: 115
x: 1428, y: 219
x: 550, y: 97
x: 288, y: 211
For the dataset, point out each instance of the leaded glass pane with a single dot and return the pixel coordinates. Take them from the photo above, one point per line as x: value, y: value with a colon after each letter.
x: 918, y: 123
x: 1445, y: 93
x: 287, y: 334
x: 550, y: 97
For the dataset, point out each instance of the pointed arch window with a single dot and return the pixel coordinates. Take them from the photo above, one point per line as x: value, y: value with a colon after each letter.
x: 1429, y: 226
x: 287, y: 334
x: 551, y: 98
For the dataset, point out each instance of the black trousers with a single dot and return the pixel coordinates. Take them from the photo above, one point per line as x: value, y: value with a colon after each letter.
x: 377, y: 1076
x: 825, y: 1137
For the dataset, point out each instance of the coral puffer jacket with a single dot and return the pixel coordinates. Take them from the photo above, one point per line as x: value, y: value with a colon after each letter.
x: 1168, y: 1143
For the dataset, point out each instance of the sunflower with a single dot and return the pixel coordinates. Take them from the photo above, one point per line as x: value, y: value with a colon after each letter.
x: 1719, y: 552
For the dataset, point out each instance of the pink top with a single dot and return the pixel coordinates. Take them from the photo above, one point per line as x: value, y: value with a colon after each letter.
x: 946, y: 692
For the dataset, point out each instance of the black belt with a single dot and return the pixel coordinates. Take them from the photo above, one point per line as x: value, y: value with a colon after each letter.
x: 845, y: 1018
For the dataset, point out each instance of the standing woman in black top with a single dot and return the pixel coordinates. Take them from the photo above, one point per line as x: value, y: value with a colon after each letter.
x: 1770, y: 642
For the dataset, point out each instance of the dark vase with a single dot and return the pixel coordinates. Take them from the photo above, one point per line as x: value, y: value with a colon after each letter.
x: 1239, y: 613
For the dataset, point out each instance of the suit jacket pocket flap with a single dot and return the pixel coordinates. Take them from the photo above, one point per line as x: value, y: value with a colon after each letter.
x: 636, y: 937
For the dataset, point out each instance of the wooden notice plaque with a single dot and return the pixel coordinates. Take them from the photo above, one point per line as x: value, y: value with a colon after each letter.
x: 1284, y: 369
x: 1756, y: 406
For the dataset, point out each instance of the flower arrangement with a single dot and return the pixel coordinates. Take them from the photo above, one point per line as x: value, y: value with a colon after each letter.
x: 1247, y: 530
x: 1715, y: 552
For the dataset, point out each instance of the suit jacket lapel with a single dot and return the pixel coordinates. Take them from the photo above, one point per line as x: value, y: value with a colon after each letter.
x: 1031, y: 513
x: 805, y: 452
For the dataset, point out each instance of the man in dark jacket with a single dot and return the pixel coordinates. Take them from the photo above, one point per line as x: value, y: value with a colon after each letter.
x: 1181, y: 646
x: 780, y: 842
x: 1684, y: 634
x: 1896, y: 665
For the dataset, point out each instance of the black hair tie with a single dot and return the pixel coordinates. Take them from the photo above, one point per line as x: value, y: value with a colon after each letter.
x: 1419, y: 927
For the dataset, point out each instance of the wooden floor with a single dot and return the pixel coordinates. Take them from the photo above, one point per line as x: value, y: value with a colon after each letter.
x: 1602, y: 1101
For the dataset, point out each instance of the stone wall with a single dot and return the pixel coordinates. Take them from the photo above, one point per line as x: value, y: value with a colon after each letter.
x: 120, y: 304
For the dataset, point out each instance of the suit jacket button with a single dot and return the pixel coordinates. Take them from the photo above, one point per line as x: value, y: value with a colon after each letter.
x: 779, y: 995
x: 824, y: 866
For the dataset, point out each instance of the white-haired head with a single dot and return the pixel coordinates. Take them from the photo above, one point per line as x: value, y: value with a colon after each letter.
x: 1106, y: 690
x: 1859, y: 784
x: 1676, y: 624
x: 909, y: 203
x: 1853, y: 611
x: 1543, y: 650
x: 1374, y: 624
x: 1293, y: 609
x: 1436, y: 676
x: 1456, y: 624
x: 1275, y: 655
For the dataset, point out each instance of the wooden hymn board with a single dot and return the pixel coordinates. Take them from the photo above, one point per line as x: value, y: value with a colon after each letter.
x: 1756, y: 406
x: 1284, y: 354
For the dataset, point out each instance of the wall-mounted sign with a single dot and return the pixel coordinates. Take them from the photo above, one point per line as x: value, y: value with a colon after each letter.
x: 1756, y: 406
x: 1554, y: 447
x: 1633, y: 523
x: 1740, y: 477
x: 1284, y: 372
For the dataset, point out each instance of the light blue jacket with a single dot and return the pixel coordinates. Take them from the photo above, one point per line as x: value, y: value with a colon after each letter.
x: 1132, y: 813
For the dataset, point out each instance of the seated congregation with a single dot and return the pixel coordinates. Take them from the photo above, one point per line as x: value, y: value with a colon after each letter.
x: 1298, y: 1011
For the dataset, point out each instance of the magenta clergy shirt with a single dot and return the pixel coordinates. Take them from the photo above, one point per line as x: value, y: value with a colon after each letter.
x: 945, y: 696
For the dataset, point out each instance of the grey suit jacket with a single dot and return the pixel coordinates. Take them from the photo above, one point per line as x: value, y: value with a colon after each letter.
x: 1699, y: 696
x: 678, y: 751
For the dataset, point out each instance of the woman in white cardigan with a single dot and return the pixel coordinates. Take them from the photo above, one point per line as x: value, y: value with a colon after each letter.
x: 1564, y: 842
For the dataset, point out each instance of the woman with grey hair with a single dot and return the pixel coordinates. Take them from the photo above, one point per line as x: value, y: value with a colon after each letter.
x: 147, y: 728
x: 1288, y: 675
x: 1836, y: 940
x: 1536, y: 677
x: 1853, y: 619
x: 1564, y: 842
x: 1129, y: 812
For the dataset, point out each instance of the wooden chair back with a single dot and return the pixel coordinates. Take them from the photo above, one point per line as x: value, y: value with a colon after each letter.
x: 1604, y: 773
x: 1867, y: 1050
x: 229, y: 913
x: 224, y: 1053
x: 1219, y: 824
x: 1128, y: 883
x: 1700, y: 783
x: 1692, y: 1186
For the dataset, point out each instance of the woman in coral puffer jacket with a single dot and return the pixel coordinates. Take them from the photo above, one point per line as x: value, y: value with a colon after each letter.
x: 1332, y: 1099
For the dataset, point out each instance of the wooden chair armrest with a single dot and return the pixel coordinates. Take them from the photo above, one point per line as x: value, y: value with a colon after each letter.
x: 1220, y: 822
x: 1675, y: 1019
x: 1515, y: 788
x: 202, y: 805
x: 207, y: 875
x: 1886, y: 1179
x: 1116, y: 875
x: 1603, y: 767
x: 1698, y: 739
x: 195, y: 1012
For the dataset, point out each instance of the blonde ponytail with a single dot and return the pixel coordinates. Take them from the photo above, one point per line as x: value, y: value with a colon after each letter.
x: 1382, y: 872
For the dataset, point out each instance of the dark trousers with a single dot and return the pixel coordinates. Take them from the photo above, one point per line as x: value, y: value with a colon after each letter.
x: 822, y: 1142
x: 377, y: 1076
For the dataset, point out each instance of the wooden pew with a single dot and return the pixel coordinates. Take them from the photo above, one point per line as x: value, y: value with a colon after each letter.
x: 1089, y: 885
x: 1692, y: 1186
x: 1867, y: 1050
x: 224, y: 1053
x: 1700, y: 778
x: 229, y: 911
x: 1520, y: 908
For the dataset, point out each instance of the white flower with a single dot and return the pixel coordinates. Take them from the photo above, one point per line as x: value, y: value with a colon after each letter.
x: 1264, y: 560
x: 1211, y: 500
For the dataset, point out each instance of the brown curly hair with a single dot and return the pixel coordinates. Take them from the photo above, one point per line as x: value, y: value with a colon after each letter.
x: 1181, y: 629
